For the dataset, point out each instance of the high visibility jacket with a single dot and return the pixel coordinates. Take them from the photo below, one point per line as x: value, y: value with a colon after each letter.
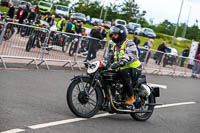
x: 59, y: 25
x: 134, y: 64
x: 73, y: 27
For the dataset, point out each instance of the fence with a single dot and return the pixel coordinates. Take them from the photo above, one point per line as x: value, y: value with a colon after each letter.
x: 39, y: 45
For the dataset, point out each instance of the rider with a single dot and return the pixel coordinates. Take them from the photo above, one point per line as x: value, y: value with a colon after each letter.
x: 124, y: 55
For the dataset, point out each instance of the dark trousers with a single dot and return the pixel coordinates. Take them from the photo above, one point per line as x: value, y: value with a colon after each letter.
x: 19, y: 26
x: 92, y: 49
x: 129, y: 77
x: 159, y: 58
x: 182, y: 62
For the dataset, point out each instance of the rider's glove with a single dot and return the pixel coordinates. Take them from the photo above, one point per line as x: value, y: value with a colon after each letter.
x: 115, y: 65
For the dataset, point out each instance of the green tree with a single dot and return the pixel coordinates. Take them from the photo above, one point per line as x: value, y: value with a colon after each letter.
x: 63, y: 2
x: 130, y: 10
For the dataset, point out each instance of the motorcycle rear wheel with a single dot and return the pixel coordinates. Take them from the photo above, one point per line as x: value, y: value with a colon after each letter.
x: 145, y: 116
x: 83, y: 104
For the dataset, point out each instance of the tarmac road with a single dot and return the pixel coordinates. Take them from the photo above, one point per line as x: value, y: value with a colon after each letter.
x: 29, y: 97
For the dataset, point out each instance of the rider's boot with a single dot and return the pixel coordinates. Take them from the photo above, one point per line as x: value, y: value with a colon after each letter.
x: 130, y: 100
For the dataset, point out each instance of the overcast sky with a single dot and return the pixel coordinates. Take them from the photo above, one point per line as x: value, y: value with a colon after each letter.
x: 159, y: 10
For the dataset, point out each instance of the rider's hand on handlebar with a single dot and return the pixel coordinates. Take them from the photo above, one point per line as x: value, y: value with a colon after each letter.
x: 115, y: 65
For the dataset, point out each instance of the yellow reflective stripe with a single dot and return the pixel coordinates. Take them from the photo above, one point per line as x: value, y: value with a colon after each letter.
x: 134, y: 64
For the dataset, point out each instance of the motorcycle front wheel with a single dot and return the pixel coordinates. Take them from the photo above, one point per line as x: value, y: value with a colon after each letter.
x: 145, y: 116
x: 84, y: 101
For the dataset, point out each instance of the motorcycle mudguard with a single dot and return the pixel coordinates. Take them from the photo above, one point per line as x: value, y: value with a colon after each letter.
x: 156, y: 91
x: 79, y: 77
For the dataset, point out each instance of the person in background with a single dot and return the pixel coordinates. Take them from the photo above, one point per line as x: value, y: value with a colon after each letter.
x: 28, y: 7
x: 21, y: 15
x: 161, y: 50
x: 185, y: 53
x: 61, y: 24
x: 46, y: 18
x: 37, y: 9
x: 32, y: 16
x: 137, y: 42
x: 96, y: 32
x: 38, y: 18
x: 79, y: 28
x: 196, y: 66
x: 148, y: 46
x: 73, y: 29
x: 51, y: 20
x: 69, y: 26
x: 11, y: 11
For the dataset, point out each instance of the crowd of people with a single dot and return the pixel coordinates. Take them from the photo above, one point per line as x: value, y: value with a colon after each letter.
x: 74, y: 26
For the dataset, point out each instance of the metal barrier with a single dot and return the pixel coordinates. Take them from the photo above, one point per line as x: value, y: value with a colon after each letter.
x: 15, y: 46
x: 56, y: 49
x: 90, y: 49
x: 40, y: 45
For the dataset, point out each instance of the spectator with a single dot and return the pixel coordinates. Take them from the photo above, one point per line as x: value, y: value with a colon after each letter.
x: 38, y: 18
x: 147, y: 51
x: 162, y: 48
x: 196, y: 66
x: 46, y: 18
x: 11, y: 11
x: 51, y: 20
x: 69, y: 26
x: 96, y: 32
x: 21, y: 15
x: 185, y: 53
x: 137, y: 42
x: 148, y: 44
x: 32, y: 16
x: 60, y: 24
x: 73, y: 29
x: 28, y: 6
x: 79, y: 28
x: 37, y: 9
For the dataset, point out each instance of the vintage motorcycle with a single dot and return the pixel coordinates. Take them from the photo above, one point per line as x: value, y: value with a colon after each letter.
x: 102, y: 89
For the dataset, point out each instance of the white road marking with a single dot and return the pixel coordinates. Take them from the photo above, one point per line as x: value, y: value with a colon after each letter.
x: 174, y: 104
x: 157, y: 85
x: 14, y: 131
x: 50, y: 124
x: 66, y: 121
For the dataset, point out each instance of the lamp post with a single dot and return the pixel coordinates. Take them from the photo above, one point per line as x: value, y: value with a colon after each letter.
x: 177, y: 24
x: 102, y: 9
x: 185, y: 28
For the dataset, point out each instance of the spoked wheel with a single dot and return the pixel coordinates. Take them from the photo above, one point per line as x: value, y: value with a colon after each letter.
x: 145, y: 116
x: 30, y: 43
x: 72, y: 48
x: 64, y: 47
x: 83, y: 100
x: 23, y: 31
